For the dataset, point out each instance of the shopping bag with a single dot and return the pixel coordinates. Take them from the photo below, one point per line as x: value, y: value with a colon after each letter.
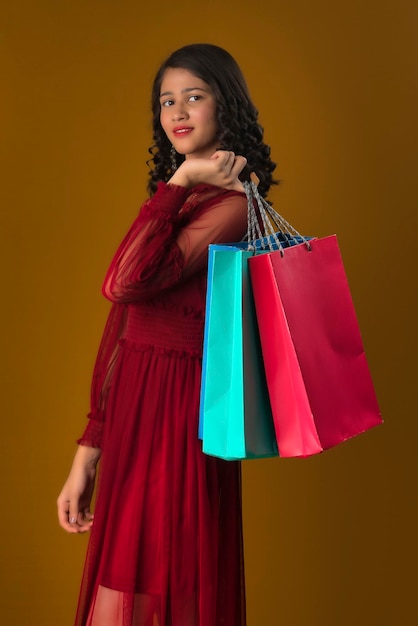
x: 320, y: 386
x: 235, y: 420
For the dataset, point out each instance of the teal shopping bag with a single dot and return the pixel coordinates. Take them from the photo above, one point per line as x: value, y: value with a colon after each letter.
x: 235, y: 420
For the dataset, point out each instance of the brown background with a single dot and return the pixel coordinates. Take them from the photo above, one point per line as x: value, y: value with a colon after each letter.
x: 329, y: 540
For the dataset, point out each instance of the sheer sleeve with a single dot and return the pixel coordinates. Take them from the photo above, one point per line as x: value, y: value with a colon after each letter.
x: 169, y: 239
x: 102, y: 374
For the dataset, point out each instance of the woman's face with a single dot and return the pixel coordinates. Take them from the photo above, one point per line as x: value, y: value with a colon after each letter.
x: 188, y: 113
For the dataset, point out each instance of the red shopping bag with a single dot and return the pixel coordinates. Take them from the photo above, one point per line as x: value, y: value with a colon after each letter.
x: 320, y: 387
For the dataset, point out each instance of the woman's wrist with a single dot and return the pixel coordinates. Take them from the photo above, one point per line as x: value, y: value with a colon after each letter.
x: 180, y: 179
x: 87, y: 455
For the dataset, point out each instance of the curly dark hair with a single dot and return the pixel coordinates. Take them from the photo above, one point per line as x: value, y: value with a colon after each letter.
x: 237, y: 117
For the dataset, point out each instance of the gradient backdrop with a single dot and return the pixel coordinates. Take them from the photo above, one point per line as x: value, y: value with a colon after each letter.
x: 331, y: 540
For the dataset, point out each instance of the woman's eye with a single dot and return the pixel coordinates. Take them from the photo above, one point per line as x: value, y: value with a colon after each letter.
x: 167, y: 103
x: 194, y: 98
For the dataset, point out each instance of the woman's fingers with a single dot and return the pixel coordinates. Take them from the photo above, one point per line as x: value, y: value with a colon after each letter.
x: 84, y: 523
x: 229, y: 166
x: 222, y: 155
x: 66, y: 517
x: 71, y: 519
x: 88, y: 515
x: 239, y: 163
x: 229, y: 161
x: 224, y: 158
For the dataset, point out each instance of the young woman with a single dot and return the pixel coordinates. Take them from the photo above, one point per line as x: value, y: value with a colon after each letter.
x: 166, y: 542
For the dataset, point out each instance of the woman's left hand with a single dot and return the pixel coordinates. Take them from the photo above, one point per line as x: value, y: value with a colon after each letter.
x: 221, y: 169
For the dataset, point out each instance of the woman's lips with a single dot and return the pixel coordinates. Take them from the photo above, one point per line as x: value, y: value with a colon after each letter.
x: 182, y: 131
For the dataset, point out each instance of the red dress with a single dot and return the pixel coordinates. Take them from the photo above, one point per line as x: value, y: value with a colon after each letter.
x: 166, y: 544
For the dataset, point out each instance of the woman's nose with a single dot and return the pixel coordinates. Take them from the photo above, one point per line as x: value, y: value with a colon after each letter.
x: 178, y: 112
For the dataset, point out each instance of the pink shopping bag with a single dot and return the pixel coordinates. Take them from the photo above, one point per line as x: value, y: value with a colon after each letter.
x: 320, y: 387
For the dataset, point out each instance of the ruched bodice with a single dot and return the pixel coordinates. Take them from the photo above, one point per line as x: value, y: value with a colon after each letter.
x: 164, y: 329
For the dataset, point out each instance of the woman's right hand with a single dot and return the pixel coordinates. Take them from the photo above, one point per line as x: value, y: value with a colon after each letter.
x: 221, y: 169
x: 74, y: 501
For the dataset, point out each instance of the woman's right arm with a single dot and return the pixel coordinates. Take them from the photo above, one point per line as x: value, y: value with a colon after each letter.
x: 102, y: 375
x: 74, y: 500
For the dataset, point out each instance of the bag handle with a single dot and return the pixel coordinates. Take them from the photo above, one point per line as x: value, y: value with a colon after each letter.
x: 272, y: 222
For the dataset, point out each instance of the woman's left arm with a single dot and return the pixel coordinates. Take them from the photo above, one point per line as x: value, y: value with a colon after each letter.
x: 165, y: 245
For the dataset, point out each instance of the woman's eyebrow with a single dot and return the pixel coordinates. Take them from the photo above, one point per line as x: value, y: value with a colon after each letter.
x: 186, y: 90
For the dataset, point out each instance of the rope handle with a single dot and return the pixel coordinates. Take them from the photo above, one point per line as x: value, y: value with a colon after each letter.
x: 273, y: 224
